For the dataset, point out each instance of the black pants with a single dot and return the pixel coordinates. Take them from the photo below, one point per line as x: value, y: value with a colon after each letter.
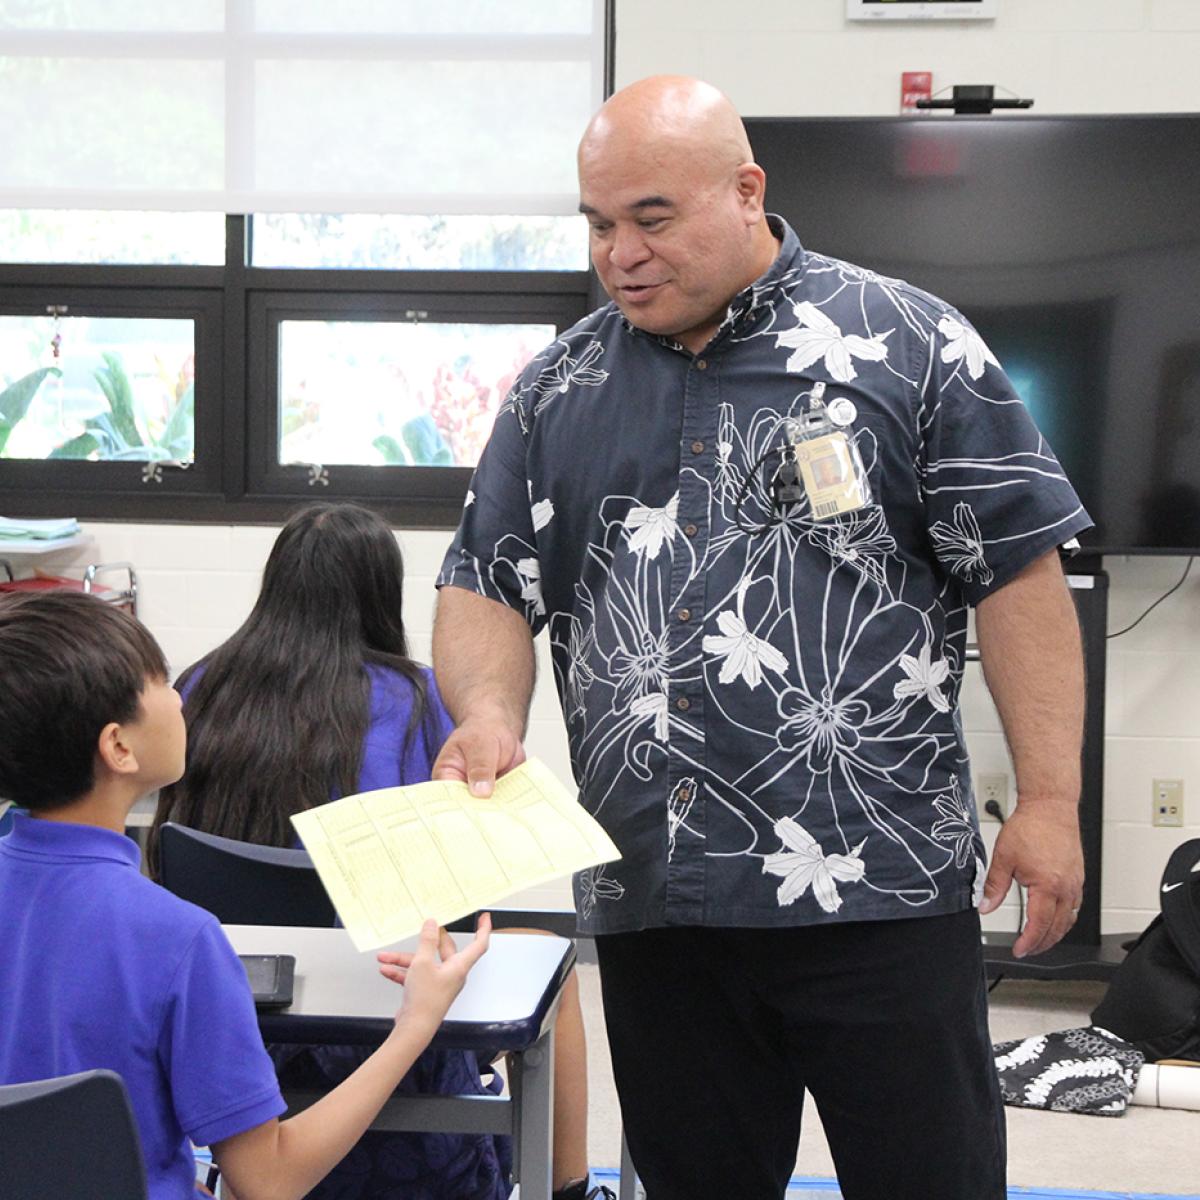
x: 715, y: 1034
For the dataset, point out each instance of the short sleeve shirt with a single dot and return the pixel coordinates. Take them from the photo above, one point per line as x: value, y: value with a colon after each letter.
x: 106, y: 969
x: 392, y: 755
x: 762, y: 706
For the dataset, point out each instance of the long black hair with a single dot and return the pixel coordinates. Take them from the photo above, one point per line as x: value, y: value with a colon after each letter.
x: 277, y: 715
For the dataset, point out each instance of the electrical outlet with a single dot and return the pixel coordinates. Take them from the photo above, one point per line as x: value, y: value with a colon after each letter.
x: 1168, y: 802
x: 991, y: 787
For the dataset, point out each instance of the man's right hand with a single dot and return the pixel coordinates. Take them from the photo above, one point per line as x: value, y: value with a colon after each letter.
x: 479, y: 750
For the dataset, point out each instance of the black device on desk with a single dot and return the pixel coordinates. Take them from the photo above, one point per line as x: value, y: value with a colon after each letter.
x: 271, y: 977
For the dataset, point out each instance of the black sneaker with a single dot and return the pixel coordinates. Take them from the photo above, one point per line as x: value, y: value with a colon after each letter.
x: 576, y: 1191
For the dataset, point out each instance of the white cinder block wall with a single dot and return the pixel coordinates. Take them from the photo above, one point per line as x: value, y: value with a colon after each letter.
x: 791, y: 57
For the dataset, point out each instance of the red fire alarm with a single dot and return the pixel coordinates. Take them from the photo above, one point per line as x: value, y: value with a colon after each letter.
x: 914, y: 86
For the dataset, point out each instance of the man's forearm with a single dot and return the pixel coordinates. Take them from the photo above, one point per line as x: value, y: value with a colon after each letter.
x: 1032, y: 659
x: 483, y: 659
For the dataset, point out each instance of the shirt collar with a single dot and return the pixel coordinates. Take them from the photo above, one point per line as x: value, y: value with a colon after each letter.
x: 62, y: 840
x: 746, y: 307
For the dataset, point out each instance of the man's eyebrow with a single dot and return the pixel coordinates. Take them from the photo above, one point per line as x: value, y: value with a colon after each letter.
x: 636, y: 206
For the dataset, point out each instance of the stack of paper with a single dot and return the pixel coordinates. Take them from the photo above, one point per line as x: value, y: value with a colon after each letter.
x: 38, y: 531
x: 391, y: 858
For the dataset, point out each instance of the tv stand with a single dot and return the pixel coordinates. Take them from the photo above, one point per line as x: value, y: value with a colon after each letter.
x: 1083, y: 953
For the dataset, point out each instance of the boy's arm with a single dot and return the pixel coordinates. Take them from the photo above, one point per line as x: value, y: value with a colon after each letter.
x: 284, y: 1160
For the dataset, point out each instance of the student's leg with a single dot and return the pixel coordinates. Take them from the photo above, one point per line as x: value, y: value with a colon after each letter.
x: 570, y: 1084
x: 570, y: 1089
x: 710, y: 1103
x: 892, y: 1035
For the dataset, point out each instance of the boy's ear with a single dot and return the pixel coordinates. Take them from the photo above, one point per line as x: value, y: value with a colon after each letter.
x: 114, y: 751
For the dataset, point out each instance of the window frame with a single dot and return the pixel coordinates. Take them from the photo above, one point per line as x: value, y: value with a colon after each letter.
x: 237, y: 308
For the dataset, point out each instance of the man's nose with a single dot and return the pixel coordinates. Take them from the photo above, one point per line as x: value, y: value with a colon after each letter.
x: 628, y: 248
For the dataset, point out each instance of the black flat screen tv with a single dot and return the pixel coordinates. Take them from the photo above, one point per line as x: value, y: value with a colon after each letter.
x: 1071, y: 243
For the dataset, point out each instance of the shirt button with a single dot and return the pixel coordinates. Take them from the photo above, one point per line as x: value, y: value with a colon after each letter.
x: 683, y: 704
x: 701, y: 364
x: 690, y: 530
x: 697, y: 447
x: 685, y: 614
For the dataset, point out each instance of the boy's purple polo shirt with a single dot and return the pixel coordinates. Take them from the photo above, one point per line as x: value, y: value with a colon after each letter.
x: 103, y: 968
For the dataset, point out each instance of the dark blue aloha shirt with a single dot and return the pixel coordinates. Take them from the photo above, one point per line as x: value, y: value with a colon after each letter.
x: 763, y: 709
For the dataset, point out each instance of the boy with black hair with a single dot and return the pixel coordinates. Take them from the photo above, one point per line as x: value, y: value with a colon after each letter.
x: 109, y: 970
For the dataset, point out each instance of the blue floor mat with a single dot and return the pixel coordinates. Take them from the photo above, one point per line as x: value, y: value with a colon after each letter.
x: 807, y: 1188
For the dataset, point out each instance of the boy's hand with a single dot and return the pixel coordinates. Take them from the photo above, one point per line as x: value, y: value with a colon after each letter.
x: 434, y: 973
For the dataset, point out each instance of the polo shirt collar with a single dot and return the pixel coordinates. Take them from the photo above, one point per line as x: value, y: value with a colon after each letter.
x: 64, y: 841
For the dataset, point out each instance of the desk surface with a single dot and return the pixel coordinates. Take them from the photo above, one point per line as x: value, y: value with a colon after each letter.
x: 339, y: 995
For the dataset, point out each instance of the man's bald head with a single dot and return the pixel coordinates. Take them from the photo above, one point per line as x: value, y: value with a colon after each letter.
x: 673, y: 113
x: 675, y: 204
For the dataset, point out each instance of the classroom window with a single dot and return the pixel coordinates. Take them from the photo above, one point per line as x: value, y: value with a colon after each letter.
x: 412, y: 238
x: 421, y: 243
x: 412, y: 393
x: 56, y: 236
x: 100, y: 389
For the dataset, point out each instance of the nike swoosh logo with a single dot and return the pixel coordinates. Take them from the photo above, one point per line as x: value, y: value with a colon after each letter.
x: 1170, y: 887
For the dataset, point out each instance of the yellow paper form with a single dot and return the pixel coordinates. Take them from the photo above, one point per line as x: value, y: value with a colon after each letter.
x: 393, y: 857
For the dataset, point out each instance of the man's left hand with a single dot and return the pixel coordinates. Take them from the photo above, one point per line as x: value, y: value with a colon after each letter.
x: 1038, y: 847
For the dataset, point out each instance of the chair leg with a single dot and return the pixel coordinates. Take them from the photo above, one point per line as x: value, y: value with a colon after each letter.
x: 629, y: 1186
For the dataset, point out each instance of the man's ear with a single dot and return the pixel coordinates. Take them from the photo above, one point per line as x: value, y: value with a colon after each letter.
x: 114, y: 751
x: 751, y: 183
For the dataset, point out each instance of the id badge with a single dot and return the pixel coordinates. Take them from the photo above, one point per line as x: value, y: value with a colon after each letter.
x: 832, y: 472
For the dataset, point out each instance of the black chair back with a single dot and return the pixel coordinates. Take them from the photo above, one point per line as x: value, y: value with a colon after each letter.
x: 241, y: 883
x: 70, y: 1136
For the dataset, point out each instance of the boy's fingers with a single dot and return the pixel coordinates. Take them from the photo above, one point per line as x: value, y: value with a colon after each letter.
x: 476, y: 948
x: 427, y: 946
x: 397, y: 958
x: 446, y: 946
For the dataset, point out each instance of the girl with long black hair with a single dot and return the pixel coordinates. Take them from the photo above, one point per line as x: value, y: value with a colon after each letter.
x: 313, y: 698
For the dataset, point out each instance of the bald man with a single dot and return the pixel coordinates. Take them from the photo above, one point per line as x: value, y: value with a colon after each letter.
x: 751, y: 500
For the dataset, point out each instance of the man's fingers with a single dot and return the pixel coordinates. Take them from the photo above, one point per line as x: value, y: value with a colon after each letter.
x: 1048, y: 918
x: 450, y: 765
x: 481, y: 781
x: 1065, y: 915
x: 480, y: 754
x: 995, y: 887
x: 446, y: 946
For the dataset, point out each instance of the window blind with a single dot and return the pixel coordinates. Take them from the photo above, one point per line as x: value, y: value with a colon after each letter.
x: 367, y: 106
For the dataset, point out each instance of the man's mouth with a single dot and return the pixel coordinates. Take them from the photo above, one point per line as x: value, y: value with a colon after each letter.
x: 638, y: 291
